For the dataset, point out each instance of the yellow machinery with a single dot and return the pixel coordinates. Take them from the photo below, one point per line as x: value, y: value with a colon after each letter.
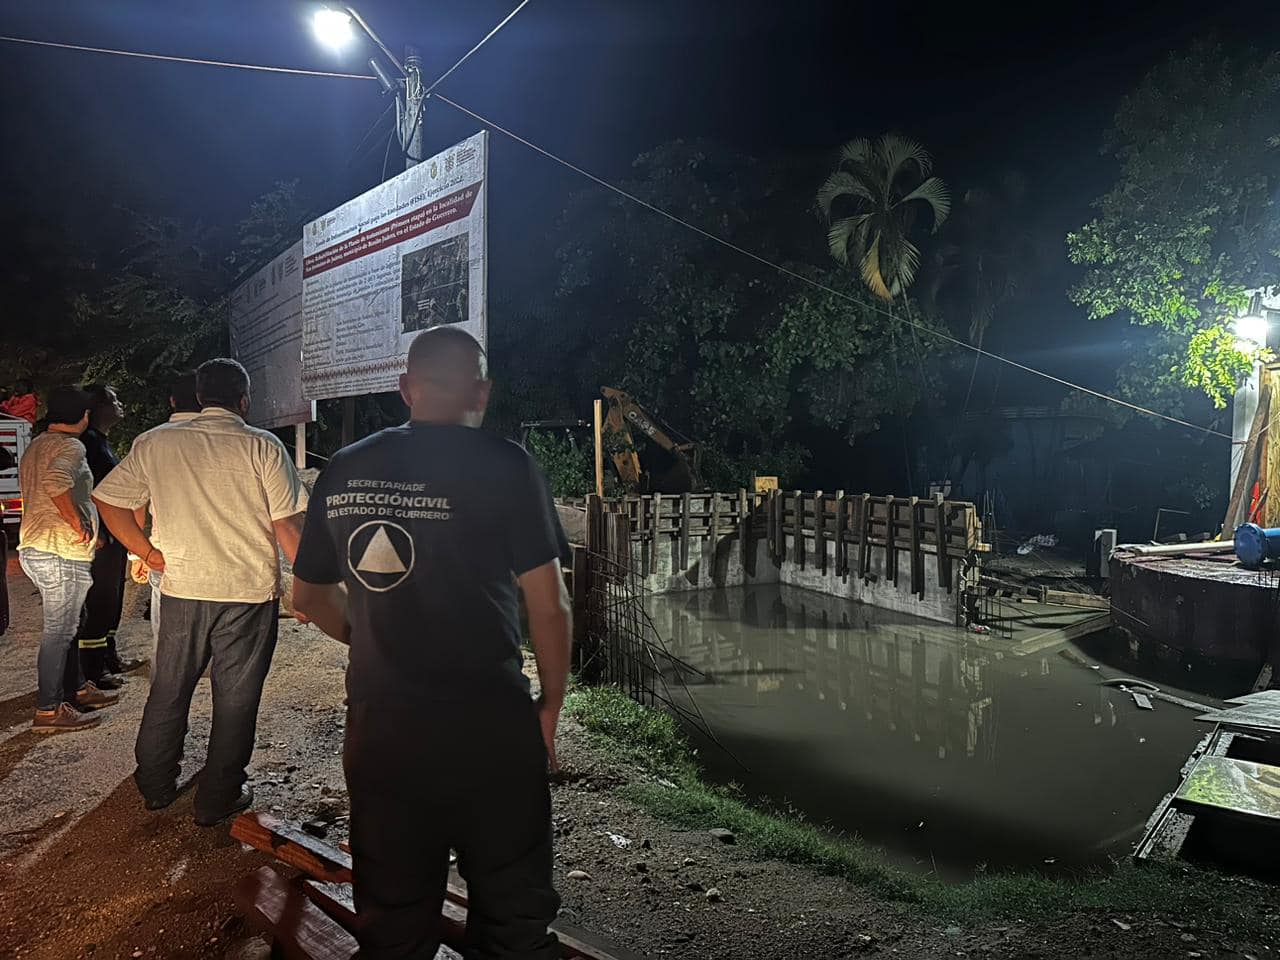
x: 684, y: 474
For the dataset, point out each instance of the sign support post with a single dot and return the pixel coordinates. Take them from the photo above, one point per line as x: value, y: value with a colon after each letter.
x: 597, y: 418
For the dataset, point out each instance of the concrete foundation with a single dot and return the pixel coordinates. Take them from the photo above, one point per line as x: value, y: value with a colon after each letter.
x: 729, y: 562
x: 1207, y: 607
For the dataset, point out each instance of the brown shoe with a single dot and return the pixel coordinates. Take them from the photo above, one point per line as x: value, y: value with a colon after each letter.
x: 90, y: 695
x: 65, y: 719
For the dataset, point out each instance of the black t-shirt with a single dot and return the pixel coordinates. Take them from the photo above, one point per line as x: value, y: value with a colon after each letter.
x: 102, y: 460
x: 428, y: 526
x: 97, y: 450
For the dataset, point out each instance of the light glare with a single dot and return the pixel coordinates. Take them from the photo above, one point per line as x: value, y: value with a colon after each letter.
x: 332, y: 27
x: 1252, y: 329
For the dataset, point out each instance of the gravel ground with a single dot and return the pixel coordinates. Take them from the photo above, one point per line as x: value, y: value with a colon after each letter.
x: 87, y: 872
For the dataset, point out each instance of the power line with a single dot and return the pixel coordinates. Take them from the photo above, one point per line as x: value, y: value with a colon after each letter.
x: 786, y: 271
x: 466, y: 56
x: 629, y: 196
x: 203, y: 63
x: 422, y: 104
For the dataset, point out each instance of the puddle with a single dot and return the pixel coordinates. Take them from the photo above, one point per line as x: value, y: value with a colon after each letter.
x: 942, y: 746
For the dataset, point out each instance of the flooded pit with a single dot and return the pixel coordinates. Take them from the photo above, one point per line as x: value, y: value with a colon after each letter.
x: 946, y: 748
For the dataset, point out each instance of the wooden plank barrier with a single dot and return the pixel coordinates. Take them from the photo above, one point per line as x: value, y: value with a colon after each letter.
x: 906, y: 529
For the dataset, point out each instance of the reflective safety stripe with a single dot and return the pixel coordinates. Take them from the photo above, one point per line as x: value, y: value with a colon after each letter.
x: 98, y: 644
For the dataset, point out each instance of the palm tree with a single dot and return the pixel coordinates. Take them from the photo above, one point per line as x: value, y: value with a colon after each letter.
x: 870, y: 204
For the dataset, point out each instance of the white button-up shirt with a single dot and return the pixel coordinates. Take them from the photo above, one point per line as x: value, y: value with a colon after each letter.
x: 215, y: 486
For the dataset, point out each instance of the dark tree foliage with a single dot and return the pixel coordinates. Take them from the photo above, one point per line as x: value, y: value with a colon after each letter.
x: 728, y: 352
x: 1192, y: 222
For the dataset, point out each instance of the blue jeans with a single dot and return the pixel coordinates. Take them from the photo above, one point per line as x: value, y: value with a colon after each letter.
x: 63, y: 585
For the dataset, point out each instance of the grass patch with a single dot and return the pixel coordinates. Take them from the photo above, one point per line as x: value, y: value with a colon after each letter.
x: 653, y: 741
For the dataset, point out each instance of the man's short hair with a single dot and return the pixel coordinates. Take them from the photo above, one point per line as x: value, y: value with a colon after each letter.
x: 98, y: 395
x: 221, y: 382
x: 444, y: 348
x: 67, y: 405
x: 182, y: 392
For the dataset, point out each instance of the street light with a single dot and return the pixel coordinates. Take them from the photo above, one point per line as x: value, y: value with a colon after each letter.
x: 332, y: 27
x: 1251, y: 328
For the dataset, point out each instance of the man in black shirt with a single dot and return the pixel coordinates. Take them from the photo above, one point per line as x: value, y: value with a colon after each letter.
x: 430, y: 526
x: 99, y: 658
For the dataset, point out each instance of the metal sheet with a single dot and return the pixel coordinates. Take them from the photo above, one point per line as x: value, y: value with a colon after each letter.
x: 1260, y: 714
x: 1237, y: 786
x: 1262, y: 696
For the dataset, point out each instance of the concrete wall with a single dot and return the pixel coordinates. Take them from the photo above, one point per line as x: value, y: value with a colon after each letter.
x: 727, y: 564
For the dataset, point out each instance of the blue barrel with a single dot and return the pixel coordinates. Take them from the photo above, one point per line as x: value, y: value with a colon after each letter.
x: 1255, y: 546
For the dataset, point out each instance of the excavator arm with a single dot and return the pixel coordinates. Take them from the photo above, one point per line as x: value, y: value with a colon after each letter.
x: 624, y: 413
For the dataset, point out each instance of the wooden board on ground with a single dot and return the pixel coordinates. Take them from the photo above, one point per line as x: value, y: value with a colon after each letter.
x: 301, y: 929
x: 328, y: 892
x: 1232, y: 786
x: 290, y: 845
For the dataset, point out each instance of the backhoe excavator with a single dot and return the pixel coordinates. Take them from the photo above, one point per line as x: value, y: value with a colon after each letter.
x: 683, y: 473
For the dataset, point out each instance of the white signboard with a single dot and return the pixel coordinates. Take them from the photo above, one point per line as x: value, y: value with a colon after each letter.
x: 406, y: 256
x: 266, y: 336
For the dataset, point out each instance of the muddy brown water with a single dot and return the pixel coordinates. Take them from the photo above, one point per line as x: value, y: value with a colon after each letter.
x: 945, y: 748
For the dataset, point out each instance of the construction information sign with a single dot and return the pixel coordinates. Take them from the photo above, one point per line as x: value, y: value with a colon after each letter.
x: 406, y: 256
x: 266, y: 336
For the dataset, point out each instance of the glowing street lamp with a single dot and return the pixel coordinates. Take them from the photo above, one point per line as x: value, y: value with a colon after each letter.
x: 332, y: 28
x: 1251, y: 328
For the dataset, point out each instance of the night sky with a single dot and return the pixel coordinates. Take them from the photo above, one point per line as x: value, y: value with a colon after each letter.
x: 987, y: 91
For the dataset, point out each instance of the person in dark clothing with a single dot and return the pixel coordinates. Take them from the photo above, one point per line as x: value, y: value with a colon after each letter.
x: 99, y: 658
x: 7, y: 462
x: 415, y: 543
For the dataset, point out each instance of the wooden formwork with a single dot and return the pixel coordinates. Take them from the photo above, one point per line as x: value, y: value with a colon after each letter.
x: 907, y: 530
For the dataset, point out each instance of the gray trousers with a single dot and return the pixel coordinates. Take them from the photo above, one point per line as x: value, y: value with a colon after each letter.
x: 238, y: 639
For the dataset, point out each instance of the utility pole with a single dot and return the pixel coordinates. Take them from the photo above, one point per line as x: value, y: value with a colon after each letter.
x: 409, y: 122
x: 410, y: 108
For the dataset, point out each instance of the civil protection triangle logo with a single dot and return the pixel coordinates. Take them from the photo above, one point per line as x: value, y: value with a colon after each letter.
x: 380, y: 554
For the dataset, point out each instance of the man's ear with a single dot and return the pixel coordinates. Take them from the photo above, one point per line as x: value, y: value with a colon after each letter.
x: 405, y: 395
x: 244, y: 405
x: 483, y: 390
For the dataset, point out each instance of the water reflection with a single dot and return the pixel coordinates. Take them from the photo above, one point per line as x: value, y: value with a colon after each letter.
x: 943, y: 745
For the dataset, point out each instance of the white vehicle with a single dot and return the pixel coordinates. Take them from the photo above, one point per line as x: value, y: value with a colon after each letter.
x: 15, y: 434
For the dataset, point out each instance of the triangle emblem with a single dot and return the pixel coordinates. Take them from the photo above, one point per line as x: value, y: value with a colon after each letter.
x: 380, y: 556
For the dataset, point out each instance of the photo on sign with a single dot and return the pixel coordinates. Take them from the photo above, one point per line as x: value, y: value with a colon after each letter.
x: 434, y: 284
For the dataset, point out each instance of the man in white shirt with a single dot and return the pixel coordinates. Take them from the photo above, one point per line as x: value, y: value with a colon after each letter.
x: 185, y: 406
x: 226, y: 499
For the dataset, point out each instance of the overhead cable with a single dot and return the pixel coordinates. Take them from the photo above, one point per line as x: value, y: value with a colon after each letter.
x: 204, y: 63
x: 483, y: 40
x: 795, y: 275
x: 1137, y: 408
x: 422, y: 104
